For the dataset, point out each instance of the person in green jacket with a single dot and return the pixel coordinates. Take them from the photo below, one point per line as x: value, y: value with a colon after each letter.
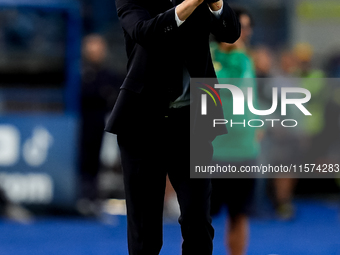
x: 240, y: 147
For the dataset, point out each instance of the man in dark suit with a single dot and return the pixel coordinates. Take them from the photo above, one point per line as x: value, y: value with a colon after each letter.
x: 167, y: 43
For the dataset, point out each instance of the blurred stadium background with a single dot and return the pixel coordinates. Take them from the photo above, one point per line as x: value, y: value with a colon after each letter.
x: 50, y: 50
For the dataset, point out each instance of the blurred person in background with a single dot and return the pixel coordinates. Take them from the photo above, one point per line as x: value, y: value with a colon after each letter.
x: 295, y: 146
x: 263, y: 61
x: 100, y: 87
x: 303, y: 53
x: 284, y: 145
x: 241, y: 146
x: 316, y: 141
x: 167, y: 43
x: 288, y: 64
x: 321, y: 131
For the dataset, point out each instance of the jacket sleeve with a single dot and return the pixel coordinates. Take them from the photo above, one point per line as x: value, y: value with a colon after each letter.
x: 141, y: 27
x: 227, y: 28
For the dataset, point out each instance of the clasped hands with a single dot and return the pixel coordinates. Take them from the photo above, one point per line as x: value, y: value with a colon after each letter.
x: 185, y: 9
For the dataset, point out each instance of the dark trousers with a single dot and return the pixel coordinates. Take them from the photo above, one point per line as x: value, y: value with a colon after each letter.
x: 146, y: 159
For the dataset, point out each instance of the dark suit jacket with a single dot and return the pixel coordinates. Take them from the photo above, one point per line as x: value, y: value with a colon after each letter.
x: 157, y: 49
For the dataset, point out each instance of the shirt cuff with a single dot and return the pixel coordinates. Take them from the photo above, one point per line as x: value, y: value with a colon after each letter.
x: 178, y: 21
x: 217, y: 13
